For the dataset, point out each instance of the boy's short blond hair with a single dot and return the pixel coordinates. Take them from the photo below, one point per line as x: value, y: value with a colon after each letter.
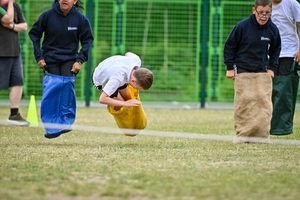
x: 144, y: 77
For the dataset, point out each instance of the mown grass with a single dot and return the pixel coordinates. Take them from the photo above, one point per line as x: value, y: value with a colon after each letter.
x: 93, y: 165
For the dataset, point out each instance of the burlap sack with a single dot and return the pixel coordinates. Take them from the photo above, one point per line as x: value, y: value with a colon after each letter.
x: 253, y: 104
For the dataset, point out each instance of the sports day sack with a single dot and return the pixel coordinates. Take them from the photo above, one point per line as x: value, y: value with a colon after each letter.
x: 58, y: 105
x: 129, y: 117
x: 253, y: 105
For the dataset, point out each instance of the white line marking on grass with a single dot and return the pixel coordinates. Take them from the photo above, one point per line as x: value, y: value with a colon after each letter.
x: 169, y: 134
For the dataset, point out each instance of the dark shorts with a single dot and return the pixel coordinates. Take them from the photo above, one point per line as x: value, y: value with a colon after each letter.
x: 11, y: 72
x: 99, y: 88
x: 239, y: 70
x: 115, y: 94
x: 62, y: 69
x: 285, y: 66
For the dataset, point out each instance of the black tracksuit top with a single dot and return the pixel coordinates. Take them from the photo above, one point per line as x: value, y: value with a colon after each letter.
x: 62, y: 35
x: 253, y: 47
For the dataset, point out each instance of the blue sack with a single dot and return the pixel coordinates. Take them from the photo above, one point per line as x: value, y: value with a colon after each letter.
x: 58, y: 105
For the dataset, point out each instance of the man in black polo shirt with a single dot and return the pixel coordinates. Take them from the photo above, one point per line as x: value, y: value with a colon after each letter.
x: 11, y: 69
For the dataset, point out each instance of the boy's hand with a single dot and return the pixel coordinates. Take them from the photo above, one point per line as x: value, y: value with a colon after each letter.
x: 230, y: 74
x: 132, y: 102
x: 41, y: 63
x: 271, y: 73
x: 76, y: 68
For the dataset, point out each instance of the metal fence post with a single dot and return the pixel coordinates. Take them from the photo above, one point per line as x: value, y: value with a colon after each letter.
x: 204, y: 50
x: 88, y: 71
x: 118, y: 27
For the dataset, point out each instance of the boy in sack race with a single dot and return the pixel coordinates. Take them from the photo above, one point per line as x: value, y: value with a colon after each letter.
x: 119, y: 79
x: 251, y: 54
x: 67, y: 39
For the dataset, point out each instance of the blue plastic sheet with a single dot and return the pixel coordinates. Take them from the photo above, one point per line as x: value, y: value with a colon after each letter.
x: 58, y: 105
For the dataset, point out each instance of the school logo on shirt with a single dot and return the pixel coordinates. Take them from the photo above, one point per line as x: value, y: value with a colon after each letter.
x: 70, y: 28
x: 265, y: 38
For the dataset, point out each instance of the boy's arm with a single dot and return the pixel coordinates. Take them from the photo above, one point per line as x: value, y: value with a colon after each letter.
x: 125, y: 94
x: 86, y: 40
x: 105, y: 99
x: 230, y: 47
x: 274, y: 52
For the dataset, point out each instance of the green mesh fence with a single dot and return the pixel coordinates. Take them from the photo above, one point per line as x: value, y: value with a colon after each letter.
x: 164, y: 34
x: 167, y: 34
x: 33, y: 74
x: 103, y: 37
x: 224, y: 16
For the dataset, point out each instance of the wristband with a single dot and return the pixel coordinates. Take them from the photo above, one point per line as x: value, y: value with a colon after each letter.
x: 13, y: 28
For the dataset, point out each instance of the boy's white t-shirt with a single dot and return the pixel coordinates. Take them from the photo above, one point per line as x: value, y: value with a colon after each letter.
x: 285, y: 15
x: 115, y: 71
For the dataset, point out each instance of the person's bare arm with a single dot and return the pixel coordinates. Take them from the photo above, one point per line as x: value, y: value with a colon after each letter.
x: 21, y: 27
x: 297, y: 54
x: 8, y: 18
x: 125, y: 94
x: 105, y: 99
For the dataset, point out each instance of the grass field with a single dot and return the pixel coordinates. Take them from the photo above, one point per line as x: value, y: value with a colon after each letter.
x: 90, y: 165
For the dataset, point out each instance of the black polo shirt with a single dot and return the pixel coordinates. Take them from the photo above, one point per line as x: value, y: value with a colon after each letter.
x: 9, y: 40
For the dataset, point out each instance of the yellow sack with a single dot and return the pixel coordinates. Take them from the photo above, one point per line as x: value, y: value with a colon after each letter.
x: 130, y: 117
